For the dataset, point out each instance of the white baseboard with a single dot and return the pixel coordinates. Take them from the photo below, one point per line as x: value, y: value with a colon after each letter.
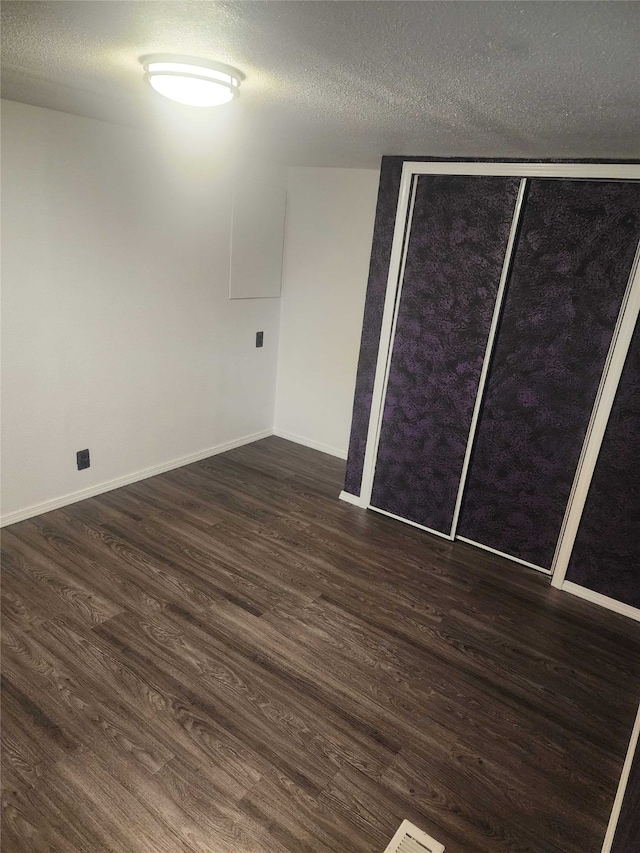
x: 309, y: 442
x: 602, y: 600
x: 348, y: 498
x: 100, y: 488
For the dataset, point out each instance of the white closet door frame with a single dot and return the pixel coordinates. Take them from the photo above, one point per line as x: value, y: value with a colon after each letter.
x: 622, y: 786
x: 404, y: 211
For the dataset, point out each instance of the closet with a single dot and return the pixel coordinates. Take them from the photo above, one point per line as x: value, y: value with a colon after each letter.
x: 500, y: 306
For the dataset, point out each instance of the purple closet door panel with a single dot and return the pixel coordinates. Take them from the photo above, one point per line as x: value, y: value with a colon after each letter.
x: 606, y: 554
x: 571, y: 267
x: 456, y: 250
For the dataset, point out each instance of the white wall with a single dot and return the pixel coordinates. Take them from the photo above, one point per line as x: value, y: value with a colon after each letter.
x: 118, y: 334
x: 328, y: 235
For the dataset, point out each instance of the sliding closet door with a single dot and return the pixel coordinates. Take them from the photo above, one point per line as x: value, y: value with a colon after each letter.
x: 457, y: 242
x: 570, y: 271
x: 606, y: 553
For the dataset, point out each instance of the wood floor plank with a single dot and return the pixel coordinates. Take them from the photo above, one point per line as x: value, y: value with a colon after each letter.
x: 375, y: 807
x: 333, y: 735
x: 28, y: 824
x: 55, y: 581
x: 246, y: 582
x: 176, y: 724
x: 454, y: 706
x: 228, y: 827
x: 304, y: 822
x: 227, y: 658
x: 274, y: 740
x: 72, y: 709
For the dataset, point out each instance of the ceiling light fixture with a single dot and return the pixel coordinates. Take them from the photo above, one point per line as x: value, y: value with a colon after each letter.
x: 192, y: 81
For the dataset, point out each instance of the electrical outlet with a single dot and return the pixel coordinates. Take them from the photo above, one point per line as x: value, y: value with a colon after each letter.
x: 259, y: 339
x: 82, y: 458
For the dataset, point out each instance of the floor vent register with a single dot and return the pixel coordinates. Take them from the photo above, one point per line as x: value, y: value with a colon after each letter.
x: 410, y: 839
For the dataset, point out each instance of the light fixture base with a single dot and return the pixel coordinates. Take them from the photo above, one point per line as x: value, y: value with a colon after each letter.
x: 192, y: 80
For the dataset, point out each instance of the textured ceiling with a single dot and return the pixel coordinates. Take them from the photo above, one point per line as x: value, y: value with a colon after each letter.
x: 341, y: 83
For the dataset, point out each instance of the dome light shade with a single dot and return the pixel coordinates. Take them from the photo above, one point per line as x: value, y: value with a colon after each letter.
x: 192, y: 81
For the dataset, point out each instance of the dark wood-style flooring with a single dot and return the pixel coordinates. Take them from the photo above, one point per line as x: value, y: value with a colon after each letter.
x: 226, y: 658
